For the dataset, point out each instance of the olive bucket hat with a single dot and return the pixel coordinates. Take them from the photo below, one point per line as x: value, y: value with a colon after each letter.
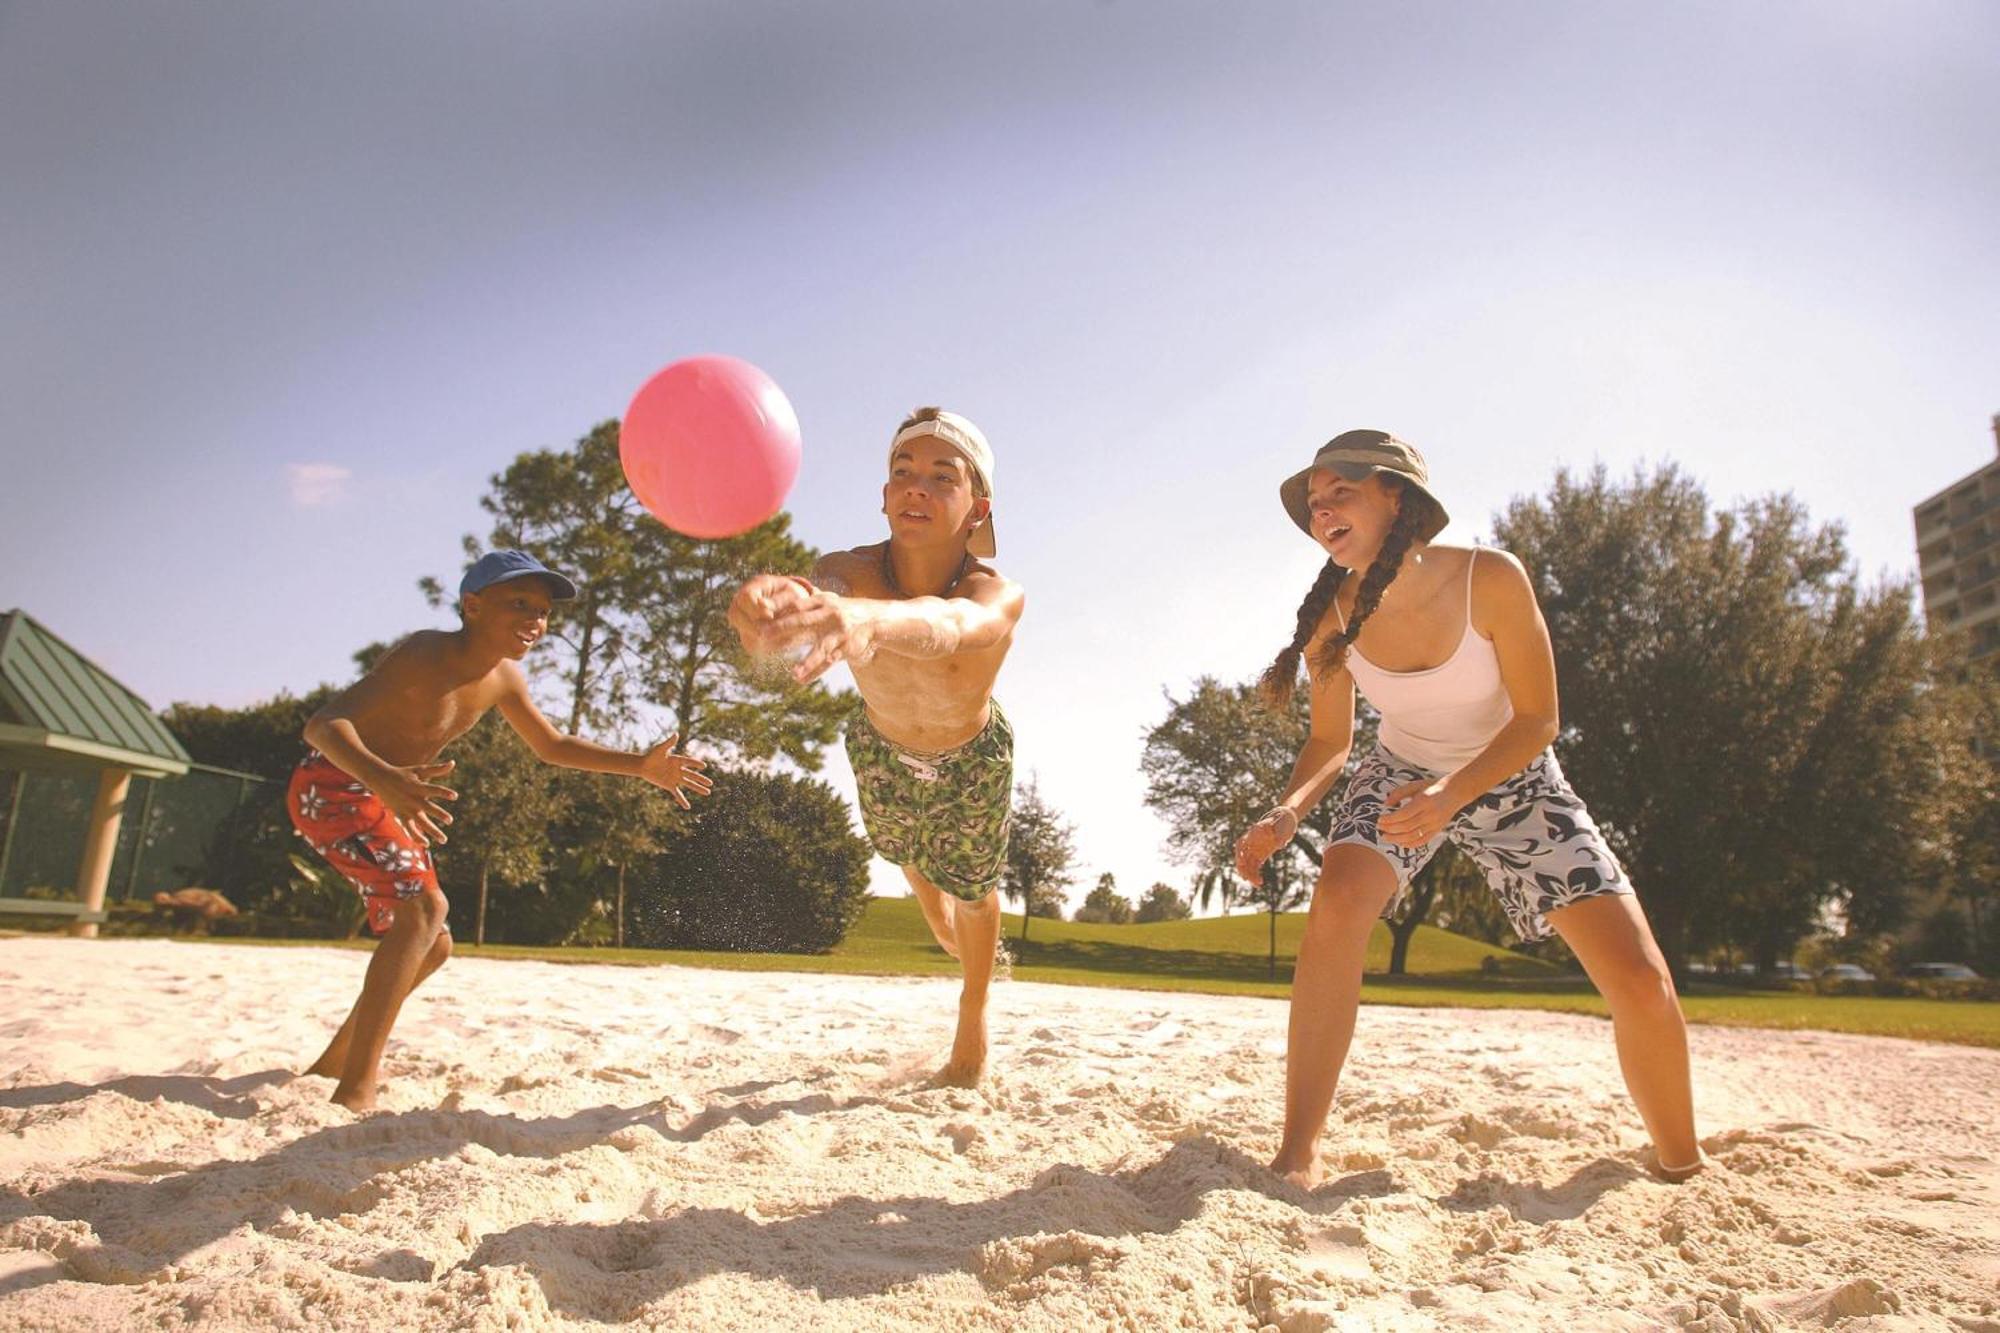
x: 1354, y: 454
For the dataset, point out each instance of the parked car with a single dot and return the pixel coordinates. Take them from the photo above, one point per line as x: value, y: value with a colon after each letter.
x: 1788, y: 972
x: 1940, y: 972
x: 1845, y: 972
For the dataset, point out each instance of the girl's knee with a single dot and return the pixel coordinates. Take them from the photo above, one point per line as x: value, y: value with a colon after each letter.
x: 1640, y: 982
x: 1339, y: 902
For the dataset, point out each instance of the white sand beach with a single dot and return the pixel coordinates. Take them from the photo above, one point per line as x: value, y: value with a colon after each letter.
x: 564, y: 1147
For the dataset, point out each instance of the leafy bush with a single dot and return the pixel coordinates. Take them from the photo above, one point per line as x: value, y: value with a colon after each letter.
x: 770, y: 864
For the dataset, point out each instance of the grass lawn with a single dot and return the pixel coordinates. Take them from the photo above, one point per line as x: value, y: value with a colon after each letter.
x: 1228, y: 956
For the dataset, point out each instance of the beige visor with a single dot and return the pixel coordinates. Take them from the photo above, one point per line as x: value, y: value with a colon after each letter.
x: 966, y: 439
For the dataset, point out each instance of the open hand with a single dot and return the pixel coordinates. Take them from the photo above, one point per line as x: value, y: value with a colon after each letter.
x: 678, y: 773
x: 1416, y: 812
x: 412, y: 797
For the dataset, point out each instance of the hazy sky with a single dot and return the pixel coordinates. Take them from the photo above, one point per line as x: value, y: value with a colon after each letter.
x: 281, y: 285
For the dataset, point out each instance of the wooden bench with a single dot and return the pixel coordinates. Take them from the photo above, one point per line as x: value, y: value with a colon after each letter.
x: 51, y: 907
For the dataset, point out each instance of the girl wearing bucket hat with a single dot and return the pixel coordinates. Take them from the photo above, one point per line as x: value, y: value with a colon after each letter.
x: 1450, y: 647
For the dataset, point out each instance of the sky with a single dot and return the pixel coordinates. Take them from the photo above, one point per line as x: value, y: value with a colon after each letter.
x: 282, y: 286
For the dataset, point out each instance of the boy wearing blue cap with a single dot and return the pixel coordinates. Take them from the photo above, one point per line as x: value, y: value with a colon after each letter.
x: 367, y: 796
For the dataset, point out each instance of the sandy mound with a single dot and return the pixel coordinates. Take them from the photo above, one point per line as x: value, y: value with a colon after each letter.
x: 569, y: 1146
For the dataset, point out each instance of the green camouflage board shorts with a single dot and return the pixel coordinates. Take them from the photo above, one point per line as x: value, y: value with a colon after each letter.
x: 943, y: 815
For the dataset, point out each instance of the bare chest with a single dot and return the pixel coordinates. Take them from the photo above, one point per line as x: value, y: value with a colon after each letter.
x: 414, y: 724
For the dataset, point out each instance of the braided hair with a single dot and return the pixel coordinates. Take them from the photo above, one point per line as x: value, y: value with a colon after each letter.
x: 1280, y: 680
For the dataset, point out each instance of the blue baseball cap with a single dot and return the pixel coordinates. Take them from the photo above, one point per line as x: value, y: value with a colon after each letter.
x: 505, y: 566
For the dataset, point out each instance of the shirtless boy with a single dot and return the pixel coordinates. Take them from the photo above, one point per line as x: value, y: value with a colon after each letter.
x: 367, y: 797
x: 924, y: 623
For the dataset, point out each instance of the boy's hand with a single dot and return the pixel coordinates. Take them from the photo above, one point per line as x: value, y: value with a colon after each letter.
x: 835, y: 630
x: 413, y: 799
x: 759, y: 603
x: 663, y: 768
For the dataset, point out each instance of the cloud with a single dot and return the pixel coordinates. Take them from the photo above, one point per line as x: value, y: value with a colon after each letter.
x: 315, y: 484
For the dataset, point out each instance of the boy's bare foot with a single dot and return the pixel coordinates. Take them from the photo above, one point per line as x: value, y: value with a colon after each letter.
x: 961, y: 1073
x: 1306, y: 1173
x: 324, y: 1067
x: 968, y: 1061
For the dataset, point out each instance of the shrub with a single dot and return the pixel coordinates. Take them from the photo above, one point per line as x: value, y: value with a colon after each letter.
x: 771, y: 864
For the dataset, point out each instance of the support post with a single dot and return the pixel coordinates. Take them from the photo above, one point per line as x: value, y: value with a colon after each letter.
x: 94, y: 872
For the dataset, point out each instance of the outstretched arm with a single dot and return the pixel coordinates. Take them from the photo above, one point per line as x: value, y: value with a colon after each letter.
x: 662, y: 765
x: 981, y: 613
x: 1320, y: 762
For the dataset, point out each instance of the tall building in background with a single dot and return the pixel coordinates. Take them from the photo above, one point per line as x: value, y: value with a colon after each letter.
x: 1958, y: 553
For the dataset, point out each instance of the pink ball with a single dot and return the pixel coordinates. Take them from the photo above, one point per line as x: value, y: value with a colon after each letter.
x: 710, y: 445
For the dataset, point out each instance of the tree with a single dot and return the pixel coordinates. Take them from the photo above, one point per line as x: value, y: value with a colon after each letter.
x: 1463, y: 902
x: 508, y: 800
x: 692, y: 663
x: 264, y: 738
x: 247, y: 854
x: 572, y: 510
x: 1105, y: 905
x: 1754, y: 729
x: 1161, y: 903
x: 1041, y: 855
x: 769, y: 863
x: 649, y: 626
x: 1970, y: 696
x: 618, y: 824
x: 1213, y: 766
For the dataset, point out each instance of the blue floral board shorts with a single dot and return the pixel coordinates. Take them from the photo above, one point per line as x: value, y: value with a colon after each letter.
x: 1532, y: 836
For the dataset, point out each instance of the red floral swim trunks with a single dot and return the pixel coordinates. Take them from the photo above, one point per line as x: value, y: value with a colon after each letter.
x: 349, y: 826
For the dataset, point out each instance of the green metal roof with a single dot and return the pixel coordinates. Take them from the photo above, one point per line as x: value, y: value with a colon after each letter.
x: 59, y: 707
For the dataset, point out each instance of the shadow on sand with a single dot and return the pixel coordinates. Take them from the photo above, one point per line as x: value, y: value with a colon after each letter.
x: 145, y: 1219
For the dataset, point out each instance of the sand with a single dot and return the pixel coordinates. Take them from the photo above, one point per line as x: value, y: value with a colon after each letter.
x: 564, y: 1147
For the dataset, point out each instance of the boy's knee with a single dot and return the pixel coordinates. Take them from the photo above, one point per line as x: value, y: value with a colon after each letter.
x: 430, y: 909
x: 441, y: 948
x: 978, y: 908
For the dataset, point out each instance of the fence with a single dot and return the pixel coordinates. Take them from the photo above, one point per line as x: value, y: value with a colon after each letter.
x: 173, y: 833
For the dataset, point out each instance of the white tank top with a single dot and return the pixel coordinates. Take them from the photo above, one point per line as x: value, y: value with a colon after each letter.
x: 1441, y: 718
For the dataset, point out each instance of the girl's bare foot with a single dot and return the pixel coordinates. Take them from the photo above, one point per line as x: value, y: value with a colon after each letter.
x: 328, y: 1065
x: 355, y: 1099
x: 1305, y: 1171
x: 1674, y: 1175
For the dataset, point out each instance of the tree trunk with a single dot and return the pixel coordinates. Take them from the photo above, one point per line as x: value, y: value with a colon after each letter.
x: 1274, y: 939
x: 618, y: 935
x: 479, y: 922
x: 1027, y: 913
x: 1402, y: 929
x: 581, y: 690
